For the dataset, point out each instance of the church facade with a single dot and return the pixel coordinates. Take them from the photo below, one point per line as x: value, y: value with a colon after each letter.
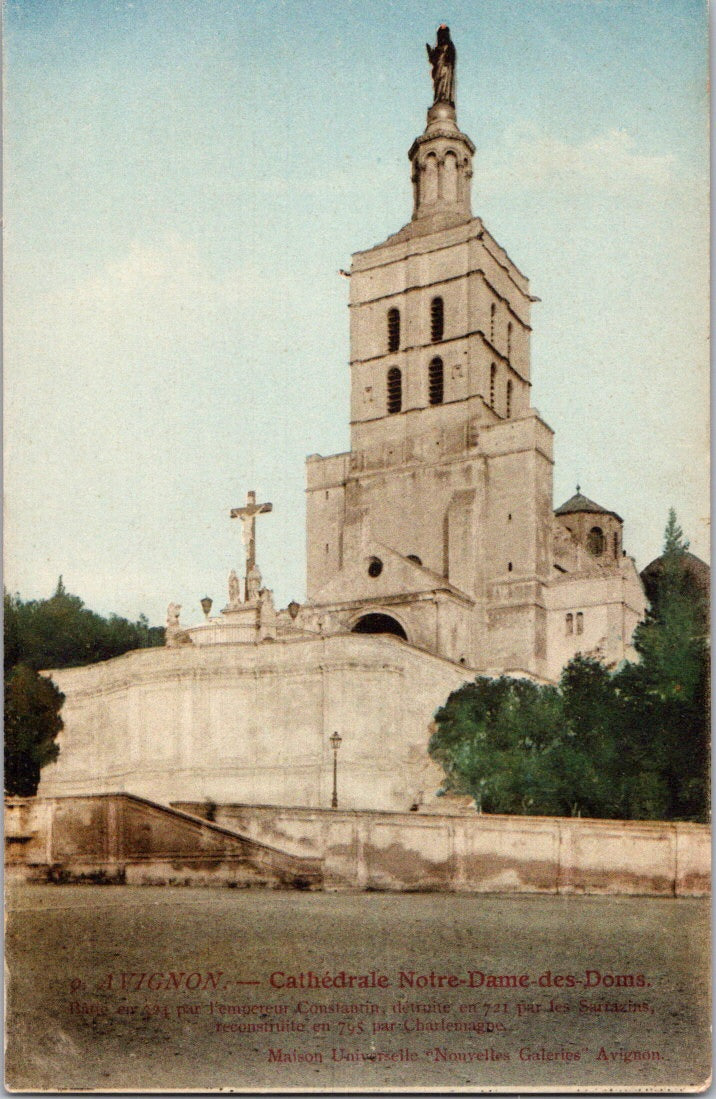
x: 433, y: 551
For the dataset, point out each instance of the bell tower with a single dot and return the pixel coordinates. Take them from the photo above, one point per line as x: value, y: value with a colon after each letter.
x: 440, y: 315
x: 450, y: 467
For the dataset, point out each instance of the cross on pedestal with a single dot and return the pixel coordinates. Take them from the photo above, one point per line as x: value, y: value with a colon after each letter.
x: 247, y: 515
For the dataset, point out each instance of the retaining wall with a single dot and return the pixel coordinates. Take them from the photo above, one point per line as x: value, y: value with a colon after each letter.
x: 467, y: 852
x: 120, y: 837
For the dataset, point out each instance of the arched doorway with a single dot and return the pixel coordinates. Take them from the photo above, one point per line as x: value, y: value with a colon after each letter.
x: 379, y: 623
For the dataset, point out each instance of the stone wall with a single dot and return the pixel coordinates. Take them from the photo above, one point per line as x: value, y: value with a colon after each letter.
x: 611, y: 602
x: 466, y: 852
x: 118, y: 838
x: 252, y: 723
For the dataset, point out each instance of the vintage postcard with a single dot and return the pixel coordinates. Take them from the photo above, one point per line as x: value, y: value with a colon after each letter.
x: 357, y: 542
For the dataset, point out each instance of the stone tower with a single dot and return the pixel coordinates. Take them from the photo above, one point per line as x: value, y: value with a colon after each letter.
x: 436, y: 525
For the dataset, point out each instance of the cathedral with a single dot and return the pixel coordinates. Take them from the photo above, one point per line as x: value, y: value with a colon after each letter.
x: 434, y: 553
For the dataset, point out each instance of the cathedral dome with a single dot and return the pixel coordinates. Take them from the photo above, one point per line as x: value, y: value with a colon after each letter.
x: 697, y: 571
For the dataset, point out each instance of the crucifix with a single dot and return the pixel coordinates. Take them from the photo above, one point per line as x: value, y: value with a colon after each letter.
x: 247, y: 515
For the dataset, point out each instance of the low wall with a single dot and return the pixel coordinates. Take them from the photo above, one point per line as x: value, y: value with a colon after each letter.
x: 123, y: 838
x: 468, y: 852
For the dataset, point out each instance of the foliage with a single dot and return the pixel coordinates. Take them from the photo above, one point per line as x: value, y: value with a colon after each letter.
x: 59, y: 632
x: 519, y: 747
x: 670, y: 685
x: 632, y: 744
x: 32, y: 721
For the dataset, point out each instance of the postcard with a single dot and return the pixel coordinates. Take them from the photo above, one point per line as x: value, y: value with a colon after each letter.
x: 356, y: 607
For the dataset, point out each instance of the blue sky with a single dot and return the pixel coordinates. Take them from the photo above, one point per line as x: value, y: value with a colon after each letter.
x: 183, y: 182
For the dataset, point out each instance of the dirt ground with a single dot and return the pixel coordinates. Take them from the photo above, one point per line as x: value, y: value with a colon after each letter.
x: 126, y: 988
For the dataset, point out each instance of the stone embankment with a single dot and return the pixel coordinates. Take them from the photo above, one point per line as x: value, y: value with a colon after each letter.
x: 124, y: 838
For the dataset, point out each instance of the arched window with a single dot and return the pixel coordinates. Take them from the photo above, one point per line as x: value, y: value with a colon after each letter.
x: 616, y: 543
x: 595, y: 541
x: 437, y: 320
x: 569, y: 624
x: 493, y: 376
x: 430, y: 179
x: 508, y: 400
x: 395, y: 390
x: 435, y: 381
x: 379, y: 623
x: 509, y: 339
x: 449, y: 177
x: 493, y: 310
x: 393, y: 329
x: 580, y: 622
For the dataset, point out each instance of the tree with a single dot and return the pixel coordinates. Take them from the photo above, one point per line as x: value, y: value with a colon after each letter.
x: 632, y: 744
x: 52, y: 633
x: 675, y: 545
x: 494, y: 739
x: 61, y: 632
x: 591, y: 747
x: 32, y: 721
x: 667, y: 693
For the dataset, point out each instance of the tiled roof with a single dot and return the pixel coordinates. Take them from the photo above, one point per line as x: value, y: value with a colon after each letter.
x: 578, y: 502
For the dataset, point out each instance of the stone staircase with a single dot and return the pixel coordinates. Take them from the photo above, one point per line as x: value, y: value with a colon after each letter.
x: 123, y: 838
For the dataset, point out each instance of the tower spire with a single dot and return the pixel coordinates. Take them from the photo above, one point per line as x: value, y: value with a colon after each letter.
x: 442, y: 156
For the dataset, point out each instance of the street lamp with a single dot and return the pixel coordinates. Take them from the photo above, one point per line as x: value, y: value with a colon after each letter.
x: 335, y: 745
x: 206, y: 603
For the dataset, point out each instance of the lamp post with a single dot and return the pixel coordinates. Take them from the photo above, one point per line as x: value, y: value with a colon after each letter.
x: 206, y: 603
x: 335, y: 745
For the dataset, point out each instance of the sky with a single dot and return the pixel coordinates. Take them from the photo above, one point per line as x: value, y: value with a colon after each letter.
x: 183, y: 182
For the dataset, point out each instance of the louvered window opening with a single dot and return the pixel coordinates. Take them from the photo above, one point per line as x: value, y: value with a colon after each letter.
x: 393, y: 330
x: 436, y: 381
x: 395, y: 390
x: 437, y: 320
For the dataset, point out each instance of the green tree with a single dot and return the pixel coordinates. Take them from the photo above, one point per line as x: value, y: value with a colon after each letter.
x: 493, y: 739
x: 522, y: 747
x: 667, y: 693
x: 633, y: 744
x: 52, y: 633
x: 61, y: 632
x: 589, y: 744
x: 32, y: 722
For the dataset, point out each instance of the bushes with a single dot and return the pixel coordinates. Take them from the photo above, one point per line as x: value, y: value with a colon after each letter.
x: 633, y: 744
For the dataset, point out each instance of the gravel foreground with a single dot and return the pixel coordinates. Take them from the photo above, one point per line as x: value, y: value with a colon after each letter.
x: 122, y: 988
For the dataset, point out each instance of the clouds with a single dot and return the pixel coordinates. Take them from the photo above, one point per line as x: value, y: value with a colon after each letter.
x: 154, y: 285
x: 175, y: 329
x: 607, y: 162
